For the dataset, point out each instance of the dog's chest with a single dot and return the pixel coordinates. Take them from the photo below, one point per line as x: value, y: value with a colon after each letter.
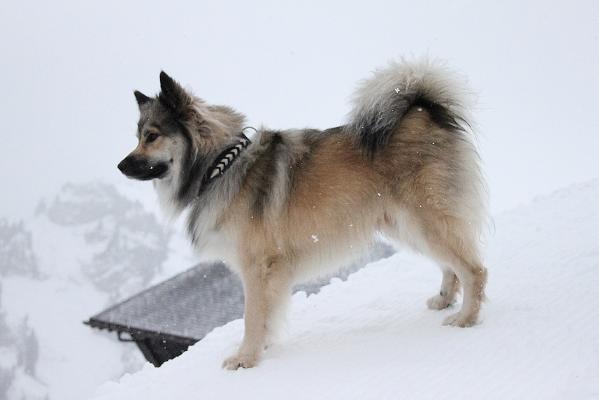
x: 211, y: 243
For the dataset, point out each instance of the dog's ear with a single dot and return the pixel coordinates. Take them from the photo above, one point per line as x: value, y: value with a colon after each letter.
x: 141, y: 98
x: 174, y: 97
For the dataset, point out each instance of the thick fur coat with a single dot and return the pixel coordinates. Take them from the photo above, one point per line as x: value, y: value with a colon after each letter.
x: 299, y: 203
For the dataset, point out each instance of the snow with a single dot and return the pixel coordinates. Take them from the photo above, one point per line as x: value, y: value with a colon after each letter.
x: 87, y: 247
x: 371, y: 337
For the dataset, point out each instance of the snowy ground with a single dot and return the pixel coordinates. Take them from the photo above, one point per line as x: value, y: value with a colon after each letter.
x: 373, y: 338
x: 86, y: 248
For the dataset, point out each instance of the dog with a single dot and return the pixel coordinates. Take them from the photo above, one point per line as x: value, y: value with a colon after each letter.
x: 281, y: 207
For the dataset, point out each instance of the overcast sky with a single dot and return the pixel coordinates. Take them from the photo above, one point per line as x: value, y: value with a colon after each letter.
x: 68, y: 71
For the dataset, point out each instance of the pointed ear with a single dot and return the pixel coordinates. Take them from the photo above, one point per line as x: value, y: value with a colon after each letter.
x: 174, y: 96
x: 141, y: 98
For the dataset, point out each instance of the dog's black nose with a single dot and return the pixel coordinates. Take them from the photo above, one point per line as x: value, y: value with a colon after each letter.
x: 123, y: 165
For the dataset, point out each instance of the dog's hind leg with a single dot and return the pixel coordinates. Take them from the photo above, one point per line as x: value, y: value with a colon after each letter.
x: 267, y: 289
x: 441, y: 238
x: 450, y: 286
x: 451, y: 243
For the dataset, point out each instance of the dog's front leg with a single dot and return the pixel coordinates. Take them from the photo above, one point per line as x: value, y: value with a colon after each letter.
x: 267, y: 289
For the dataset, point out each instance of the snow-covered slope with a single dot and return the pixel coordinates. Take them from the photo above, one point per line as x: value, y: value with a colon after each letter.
x: 372, y: 337
x: 86, y: 248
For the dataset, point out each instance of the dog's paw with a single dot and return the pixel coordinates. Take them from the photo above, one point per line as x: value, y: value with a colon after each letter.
x: 438, y: 302
x: 240, y: 361
x: 460, y: 320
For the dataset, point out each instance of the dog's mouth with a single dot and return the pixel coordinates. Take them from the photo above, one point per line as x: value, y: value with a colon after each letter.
x: 141, y: 169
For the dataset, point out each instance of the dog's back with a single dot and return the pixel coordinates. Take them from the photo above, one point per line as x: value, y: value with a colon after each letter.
x: 403, y: 164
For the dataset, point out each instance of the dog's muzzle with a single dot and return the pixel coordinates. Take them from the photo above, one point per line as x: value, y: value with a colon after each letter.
x: 140, y: 168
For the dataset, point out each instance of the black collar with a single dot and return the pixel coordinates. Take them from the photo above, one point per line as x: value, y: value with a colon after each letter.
x: 224, y: 160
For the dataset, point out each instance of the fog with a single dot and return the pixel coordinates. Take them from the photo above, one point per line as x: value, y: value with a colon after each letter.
x: 69, y: 68
x: 76, y: 236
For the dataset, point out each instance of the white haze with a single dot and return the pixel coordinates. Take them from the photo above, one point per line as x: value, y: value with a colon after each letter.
x: 69, y: 68
x: 67, y: 112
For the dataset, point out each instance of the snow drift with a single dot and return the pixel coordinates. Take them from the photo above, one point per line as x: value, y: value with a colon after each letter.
x: 372, y: 337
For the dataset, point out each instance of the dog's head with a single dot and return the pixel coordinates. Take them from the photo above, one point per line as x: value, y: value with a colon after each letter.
x: 177, y: 132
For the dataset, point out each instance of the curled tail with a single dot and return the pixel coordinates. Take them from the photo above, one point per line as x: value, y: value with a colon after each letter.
x: 381, y: 102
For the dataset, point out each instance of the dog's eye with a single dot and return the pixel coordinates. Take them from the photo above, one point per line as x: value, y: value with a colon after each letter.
x: 150, y: 137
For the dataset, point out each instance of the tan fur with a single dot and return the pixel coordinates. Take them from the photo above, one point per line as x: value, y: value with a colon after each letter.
x: 218, y: 124
x: 343, y: 200
x: 297, y: 204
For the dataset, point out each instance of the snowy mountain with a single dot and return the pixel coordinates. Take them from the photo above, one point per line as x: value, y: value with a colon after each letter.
x: 86, y: 248
x: 371, y: 337
x: 121, y: 246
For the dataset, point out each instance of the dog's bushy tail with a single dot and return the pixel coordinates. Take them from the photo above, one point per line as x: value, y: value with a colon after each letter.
x: 380, y: 103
